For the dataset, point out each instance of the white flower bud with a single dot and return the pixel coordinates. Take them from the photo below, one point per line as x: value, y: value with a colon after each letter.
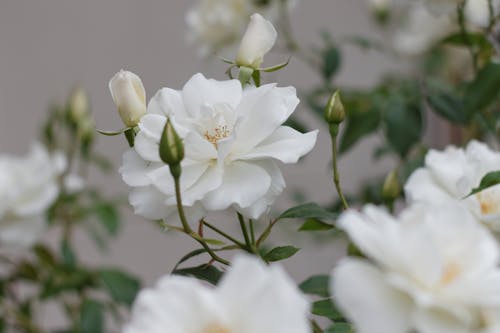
x: 129, y: 96
x: 259, y: 38
x: 79, y: 104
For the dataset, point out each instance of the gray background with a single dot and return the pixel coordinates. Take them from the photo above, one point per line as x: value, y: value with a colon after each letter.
x: 48, y: 46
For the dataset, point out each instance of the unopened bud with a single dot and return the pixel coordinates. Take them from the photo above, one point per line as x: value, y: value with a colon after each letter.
x: 171, y: 147
x: 334, y: 111
x: 129, y: 96
x: 259, y: 39
x: 79, y: 104
x: 392, y: 187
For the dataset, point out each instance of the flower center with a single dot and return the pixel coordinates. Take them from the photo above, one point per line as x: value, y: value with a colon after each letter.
x: 214, y: 328
x: 450, y: 272
x: 216, y: 122
x: 489, y: 201
x: 218, y: 133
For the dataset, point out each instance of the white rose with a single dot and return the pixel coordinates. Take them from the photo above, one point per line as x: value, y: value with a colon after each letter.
x: 129, y: 96
x: 434, y: 269
x: 28, y: 186
x: 251, y: 298
x: 232, y: 140
x: 259, y: 39
x: 451, y: 175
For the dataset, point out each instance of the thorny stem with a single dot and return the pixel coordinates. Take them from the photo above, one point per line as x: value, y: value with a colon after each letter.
x: 223, y: 234
x: 187, y: 229
x: 334, y: 131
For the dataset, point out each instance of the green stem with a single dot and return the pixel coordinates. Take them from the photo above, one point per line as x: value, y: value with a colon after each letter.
x: 245, y: 232
x: 252, y: 232
x: 334, y: 131
x: 223, y: 234
x: 266, y: 232
x: 187, y: 228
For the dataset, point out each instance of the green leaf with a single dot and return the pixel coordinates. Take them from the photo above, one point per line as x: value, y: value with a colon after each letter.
x: 325, y: 308
x: 403, y: 123
x: 204, y: 272
x: 484, y: 90
x: 359, y: 125
x: 280, y: 253
x: 91, y: 317
x: 489, y: 180
x: 340, y: 328
x: 308, y: 211
x: 45, y: 255
x: 316, y: 285
x: 69, y: 257
x: 315, y: 225
x: 446, y: 103
x: 331, y: 62
x: 121, y: 287
x: 108, y: 216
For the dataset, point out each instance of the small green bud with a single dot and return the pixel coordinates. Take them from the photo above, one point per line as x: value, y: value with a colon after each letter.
x: 171, y: 146
x: 334, y: 111
x: 392, y: 187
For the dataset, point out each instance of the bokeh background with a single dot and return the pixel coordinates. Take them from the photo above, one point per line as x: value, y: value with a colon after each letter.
x: 50, y: 46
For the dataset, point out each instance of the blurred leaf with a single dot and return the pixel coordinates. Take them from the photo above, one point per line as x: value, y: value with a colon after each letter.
x: 204, y: 272
x: 331, y: 62
x: 108, y: 216
x: 340, y: 328
x: 280, y: 253
x: 403, y: 123
x: 484, y: 90
x: 45, y: 255
x: 316, y: 285
x: 489, y: 180
x: 315, y: 225
x: 479, y: 40
x: 91, y: 317
x: 296, y: 124
x: 68, y: 256
x: 446, y: 103
x: 326, y: 308
x: 100, y: 161
x: 121, y: 286
x: 359, y: 125
x: 308, y: 211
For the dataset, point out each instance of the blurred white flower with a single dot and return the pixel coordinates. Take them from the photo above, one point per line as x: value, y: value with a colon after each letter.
x: 450, y: 175
x: 432, y: 270
x: 442, y: 7
x: 251, y: 298
x: 232, y: 139
x: 214, y: 25
x: 421, y: 30
x: 477, y: 12
x: 259, y: 39
x: 28, y: 186
x: 129, y: 96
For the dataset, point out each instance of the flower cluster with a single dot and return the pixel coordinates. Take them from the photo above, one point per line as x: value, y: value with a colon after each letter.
x: 435, y: 268
x: 28, y: 186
